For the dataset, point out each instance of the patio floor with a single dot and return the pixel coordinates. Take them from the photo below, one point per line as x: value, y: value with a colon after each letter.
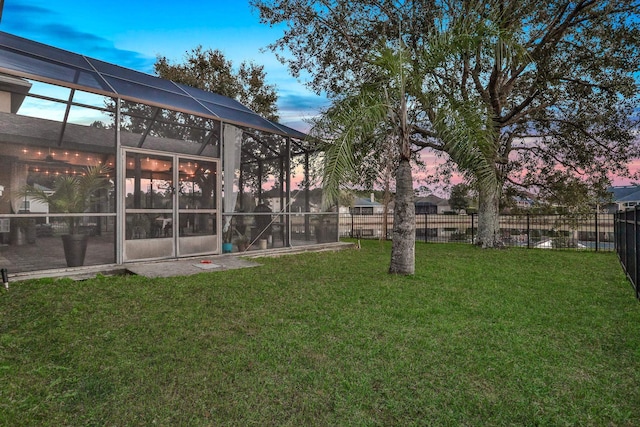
x: 176, y: 267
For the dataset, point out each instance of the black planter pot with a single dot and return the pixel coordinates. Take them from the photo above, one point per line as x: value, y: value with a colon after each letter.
x: 75, y: 248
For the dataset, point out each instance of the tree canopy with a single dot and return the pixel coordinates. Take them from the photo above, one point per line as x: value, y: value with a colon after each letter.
x: 517, y: 93
x: 211, y: 71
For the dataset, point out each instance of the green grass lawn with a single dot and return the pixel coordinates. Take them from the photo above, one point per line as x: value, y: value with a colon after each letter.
x: 475, y: 337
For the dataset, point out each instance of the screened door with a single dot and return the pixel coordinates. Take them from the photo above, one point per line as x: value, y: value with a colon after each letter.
x: 170, y: 206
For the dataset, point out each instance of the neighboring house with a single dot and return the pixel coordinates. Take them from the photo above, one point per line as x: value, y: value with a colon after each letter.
x: 431, y: 204
x: 298, y: 206
x: 363, y: 206
x: 277, y: 203
x: 624, y: 197
x: 523, y: 202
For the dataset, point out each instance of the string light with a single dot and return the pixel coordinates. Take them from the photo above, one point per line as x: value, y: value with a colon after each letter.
x: 187, y: 172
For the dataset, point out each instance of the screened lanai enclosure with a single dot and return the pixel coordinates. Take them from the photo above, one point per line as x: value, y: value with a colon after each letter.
x: 101, y: 165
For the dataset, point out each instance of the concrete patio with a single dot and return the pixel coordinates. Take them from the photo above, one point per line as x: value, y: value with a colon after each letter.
x: 177, y: 267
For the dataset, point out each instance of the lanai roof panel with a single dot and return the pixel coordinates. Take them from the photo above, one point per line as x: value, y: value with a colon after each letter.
x: 38, y: 61
x: 31, y: 65
x: 155, y: 96
x: 243, y: 118
x: 214, y: 98
x: 146, y: 80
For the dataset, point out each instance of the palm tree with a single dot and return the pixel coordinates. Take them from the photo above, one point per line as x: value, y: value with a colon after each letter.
x: 377, y: 117
x: 368, y: 120
x: 73, y: 193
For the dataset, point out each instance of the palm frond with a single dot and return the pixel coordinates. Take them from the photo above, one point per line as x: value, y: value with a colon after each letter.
x: 469, y: 140
x: 365, y: 119
x: 352, y: 122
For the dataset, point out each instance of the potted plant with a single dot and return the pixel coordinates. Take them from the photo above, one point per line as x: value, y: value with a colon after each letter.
x: 73, y: 194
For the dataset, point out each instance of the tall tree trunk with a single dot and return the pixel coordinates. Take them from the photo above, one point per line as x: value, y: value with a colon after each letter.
x: 489, y: 217
x: 386, y: 199
x: 403, y: 259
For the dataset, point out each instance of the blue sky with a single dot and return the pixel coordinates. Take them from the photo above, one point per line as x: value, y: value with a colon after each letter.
x: 133, y: 33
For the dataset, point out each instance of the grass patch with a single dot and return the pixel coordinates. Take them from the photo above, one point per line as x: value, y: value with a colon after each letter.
x: 514, y: 337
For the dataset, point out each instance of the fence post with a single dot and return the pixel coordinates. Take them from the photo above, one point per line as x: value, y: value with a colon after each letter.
x: 635, y: 252
x: 618, y: 231
x: 630, y: 245
x: 528, y: 232
x: 623, y: 240
x: 425, y: 227
x: 597, y: 234
x: 616, y: 246
x: 352, y: 235
x: 615, y: 233
x: 473, y: 234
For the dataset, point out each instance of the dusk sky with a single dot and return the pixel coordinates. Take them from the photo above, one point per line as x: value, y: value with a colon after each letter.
x: 133, y: 33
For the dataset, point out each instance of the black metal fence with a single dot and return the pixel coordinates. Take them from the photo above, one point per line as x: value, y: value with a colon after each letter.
x: 627, y: 244
x: 594, y: 231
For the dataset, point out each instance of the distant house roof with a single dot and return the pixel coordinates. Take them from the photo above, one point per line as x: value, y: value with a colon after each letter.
x: 627, y: 193
x: 520, y: 199
x: 633, y: 197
